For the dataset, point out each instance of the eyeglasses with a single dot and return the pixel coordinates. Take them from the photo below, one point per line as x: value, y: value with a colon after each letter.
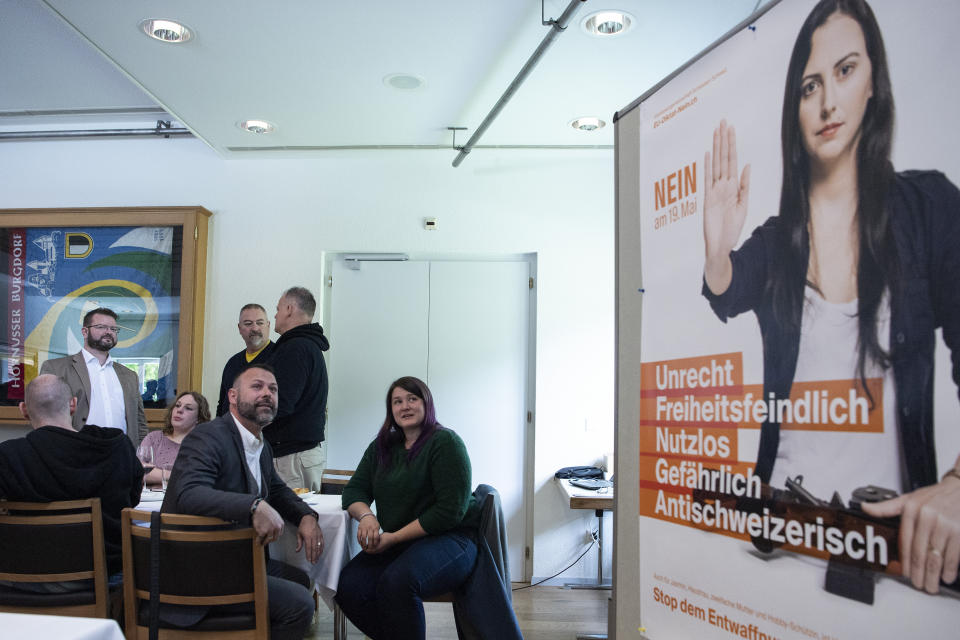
x: 104, y: 327
x: 246, y: 324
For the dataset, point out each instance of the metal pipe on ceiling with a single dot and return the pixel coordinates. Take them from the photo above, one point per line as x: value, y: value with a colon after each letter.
x: 94, y: 133
x: 556, y: 27
x: 416, y: 147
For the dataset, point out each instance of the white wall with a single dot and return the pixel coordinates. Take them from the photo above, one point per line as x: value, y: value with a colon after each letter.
x: 274, y: 218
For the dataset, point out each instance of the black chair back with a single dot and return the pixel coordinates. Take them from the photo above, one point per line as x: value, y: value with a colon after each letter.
x: 212, y: 577
x: 53, y: 542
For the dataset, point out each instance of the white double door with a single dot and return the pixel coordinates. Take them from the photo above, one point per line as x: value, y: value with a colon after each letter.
x: 464, y: 327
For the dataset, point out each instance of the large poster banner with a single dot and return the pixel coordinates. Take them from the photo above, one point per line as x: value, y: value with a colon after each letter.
x: 800, y: 250
x: 56, y: 275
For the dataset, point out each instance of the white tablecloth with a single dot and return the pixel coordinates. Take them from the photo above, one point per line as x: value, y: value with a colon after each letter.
x: 150, y: 500
x: 28, y: 625
x: 335, y: 523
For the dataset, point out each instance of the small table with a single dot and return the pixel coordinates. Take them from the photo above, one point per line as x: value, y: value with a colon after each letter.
x: 29, y: 625
x: 335, y: 523
x: 337, y: 534
x: 600, y: 500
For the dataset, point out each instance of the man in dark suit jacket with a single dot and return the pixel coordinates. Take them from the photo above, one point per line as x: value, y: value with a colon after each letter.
x: 100, y: 335
x: 225, y: 470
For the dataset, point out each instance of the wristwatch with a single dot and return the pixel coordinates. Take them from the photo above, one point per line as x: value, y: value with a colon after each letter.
x: 253, y: 507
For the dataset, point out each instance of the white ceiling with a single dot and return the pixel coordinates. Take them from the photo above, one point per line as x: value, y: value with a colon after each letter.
x: 315, y: 68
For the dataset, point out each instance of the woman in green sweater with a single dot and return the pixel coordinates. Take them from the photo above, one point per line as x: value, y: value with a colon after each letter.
x: 420, y: 543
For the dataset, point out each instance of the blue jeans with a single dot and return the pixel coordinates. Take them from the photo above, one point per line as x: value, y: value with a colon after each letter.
x: 382, y: 594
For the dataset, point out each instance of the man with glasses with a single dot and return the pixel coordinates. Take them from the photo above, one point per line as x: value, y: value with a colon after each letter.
x: 254, y: 328
x: 107, y: 393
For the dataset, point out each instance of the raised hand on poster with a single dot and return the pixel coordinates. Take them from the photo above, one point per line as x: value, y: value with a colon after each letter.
x: 724, y: 206
x: 929, y: 532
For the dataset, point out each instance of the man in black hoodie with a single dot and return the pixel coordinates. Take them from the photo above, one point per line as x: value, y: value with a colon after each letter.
x: 55, y: 462
x: 296, y: 434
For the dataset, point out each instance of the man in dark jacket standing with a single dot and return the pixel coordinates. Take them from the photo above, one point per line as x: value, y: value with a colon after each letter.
x: 56, y: 462
x: 297, y: 435
x: 255, y: 330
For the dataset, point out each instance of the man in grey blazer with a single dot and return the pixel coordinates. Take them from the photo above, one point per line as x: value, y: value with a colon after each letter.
x: 225, y: 469
x: 114, y: 399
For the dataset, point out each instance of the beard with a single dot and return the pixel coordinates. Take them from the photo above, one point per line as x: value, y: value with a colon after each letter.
x: 262, y: 413
x: 256, y: 339
x: 103, y: 343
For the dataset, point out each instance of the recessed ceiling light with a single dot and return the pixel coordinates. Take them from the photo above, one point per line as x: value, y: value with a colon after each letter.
x: 166, y: 30
x: 257, y: 126
x: 403, y: 81
x: 604, y: 24
x: 588, y: 123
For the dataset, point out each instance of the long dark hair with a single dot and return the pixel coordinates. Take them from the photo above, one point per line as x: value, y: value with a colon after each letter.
x: 391, y: 435
x: 876, y: 267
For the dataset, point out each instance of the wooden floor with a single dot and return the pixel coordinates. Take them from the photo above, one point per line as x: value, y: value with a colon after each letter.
x: 545, y: 613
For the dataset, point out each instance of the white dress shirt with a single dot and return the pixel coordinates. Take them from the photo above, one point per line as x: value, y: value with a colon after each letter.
x: 252, y: 448
x: 106, y: 394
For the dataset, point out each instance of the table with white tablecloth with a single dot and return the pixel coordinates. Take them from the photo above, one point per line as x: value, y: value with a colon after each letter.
x: 335, y: 523
x: 29, y: 625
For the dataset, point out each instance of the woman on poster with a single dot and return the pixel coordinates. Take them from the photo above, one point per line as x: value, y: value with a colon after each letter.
x: 860, y: 257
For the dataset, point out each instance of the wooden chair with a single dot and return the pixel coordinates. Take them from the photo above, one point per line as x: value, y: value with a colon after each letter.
x: 53, y: 542
x: 203, y: 561
x: 333, y: 481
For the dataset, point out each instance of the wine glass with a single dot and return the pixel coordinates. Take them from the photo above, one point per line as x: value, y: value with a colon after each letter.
x: 145, y: 454
x: 165, y: 476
